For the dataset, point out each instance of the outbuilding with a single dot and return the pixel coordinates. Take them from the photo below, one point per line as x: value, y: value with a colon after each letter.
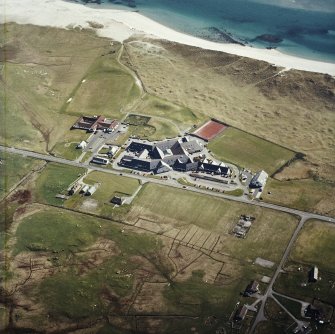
x: 314, y: 274
x: 85, y: 189
x: 241, y: 313
x: 259, y: 180
x: 82, y: 145
x: 252, y: 288
x: 91, y: 191
x: 117, y: 200
x: 100, y: 161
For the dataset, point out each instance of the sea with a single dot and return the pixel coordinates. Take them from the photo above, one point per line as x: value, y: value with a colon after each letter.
x: 303, y: 28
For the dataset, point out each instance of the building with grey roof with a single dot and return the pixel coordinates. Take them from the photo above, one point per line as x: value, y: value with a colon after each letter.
x: 167, y: 155
x: 259, y: 180
x: 192, y: 146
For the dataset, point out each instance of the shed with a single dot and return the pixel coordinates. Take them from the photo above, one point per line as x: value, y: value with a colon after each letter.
x: 252, y: 288
x: 117, y: 200
x: 100, y: 161
x: 91, y: 191
x: 82, y: 145
x: 85, y: 189
x: 241, y: 313
x: 74, y: 189
x: 313, y: 274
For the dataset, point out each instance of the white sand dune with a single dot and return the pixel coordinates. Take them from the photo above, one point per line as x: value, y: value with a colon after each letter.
x: 121, y: 24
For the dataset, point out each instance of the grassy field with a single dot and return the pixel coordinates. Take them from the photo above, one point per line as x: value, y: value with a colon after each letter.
x: 55, y: 231
x: 164, y: 129
x: 185, y: 208
x: 109, y: 185
x: 84, y: 283
x: 134, y: 119
x: 307, y: 195
x: 248, y: 151
x: 182, y: 116
x: 193, y: 297
x: 278, y: 319
x: 12, y: 169
x: 141, y: 131
x: 294, y: 283
x: 67, y: 148
x: 47, y: 65
x: 314, y: 246
x: 314, y: 239
x: 111, y: 83
x: 53, y: 180
x: 291, y: 305
x: 154, y: 129
x: 245, y: 93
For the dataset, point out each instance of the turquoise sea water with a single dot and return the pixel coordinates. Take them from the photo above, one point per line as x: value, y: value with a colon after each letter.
x: 293, y: 27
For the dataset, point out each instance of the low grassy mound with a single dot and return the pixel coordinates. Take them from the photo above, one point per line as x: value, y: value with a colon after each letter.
x: 55, y: 231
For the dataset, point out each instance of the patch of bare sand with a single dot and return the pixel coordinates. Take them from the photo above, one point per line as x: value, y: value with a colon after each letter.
x: 89, y: 205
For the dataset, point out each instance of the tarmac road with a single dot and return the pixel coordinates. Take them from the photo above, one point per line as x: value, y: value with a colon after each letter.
x: 172, y: 183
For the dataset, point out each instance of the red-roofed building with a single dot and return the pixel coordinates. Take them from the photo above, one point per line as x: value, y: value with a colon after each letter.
x: 92, y: 123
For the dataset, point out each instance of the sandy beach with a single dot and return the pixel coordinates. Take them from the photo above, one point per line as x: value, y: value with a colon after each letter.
x: 121, y: 24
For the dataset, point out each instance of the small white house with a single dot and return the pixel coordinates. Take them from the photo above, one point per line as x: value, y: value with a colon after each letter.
x: 91, y: 191
x: 114, y: 149
x: 82, y: 145
x: 85, y: 188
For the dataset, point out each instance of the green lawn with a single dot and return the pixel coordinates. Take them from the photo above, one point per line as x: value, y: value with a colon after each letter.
x: 61, y: 234
x: 68, y: 147
x: 141, y: 131
x: 56, y: 231
x: 315, y: 245
x: 307, y: 195
x: 278, y: 319
x: 182, y: 116
x: 292, y: 306
x: 109, y: 185
x: 155, y: 129
x: 164, y: 129
x: 248, y: 151
x: 236, y: 192
x: 67, y: 150
x: 12, y: 169
x: 294, y: 283
x: 55, y: 179
x: 108, y: 88
x: 36, y: 90
x: 134, y: 119
x: 194, y: 297
x: 185, y: 208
